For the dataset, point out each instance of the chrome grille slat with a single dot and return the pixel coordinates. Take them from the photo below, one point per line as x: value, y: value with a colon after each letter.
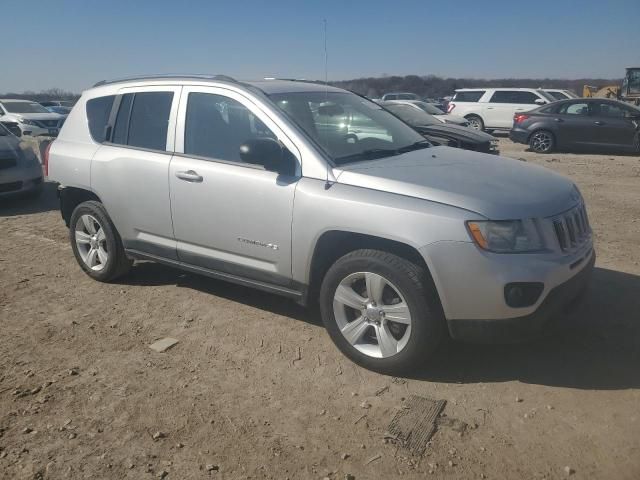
x: 572, y: 228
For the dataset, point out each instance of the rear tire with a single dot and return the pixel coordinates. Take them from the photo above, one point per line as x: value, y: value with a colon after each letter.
x: 96, y: 243
x: 475, y: 122
x: 542, y: 141
x: 394, y: 335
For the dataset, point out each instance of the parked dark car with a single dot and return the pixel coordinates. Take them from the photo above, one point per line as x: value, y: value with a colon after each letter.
x: 439, y: 133
x: 581, y: 124
x: 20, y: 169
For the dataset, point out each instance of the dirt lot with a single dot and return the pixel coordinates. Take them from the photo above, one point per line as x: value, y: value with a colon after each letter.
x: 255, y: 389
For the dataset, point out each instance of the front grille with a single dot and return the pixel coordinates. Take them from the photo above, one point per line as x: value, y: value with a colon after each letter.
x: 572, y: 228
x: 7, y: 163
x: 10, y: 187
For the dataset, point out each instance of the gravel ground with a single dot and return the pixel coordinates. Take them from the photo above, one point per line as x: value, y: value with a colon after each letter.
x: 255, y: 389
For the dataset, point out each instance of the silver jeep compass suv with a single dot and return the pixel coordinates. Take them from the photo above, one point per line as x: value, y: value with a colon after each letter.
x: 317, y: 194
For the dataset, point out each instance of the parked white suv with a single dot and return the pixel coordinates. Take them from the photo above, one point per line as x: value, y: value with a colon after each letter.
x: 494, y: 108
x: 320, y: 195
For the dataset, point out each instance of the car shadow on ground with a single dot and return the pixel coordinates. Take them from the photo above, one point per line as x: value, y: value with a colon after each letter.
x: 28, y: 205
x: 150, y: 273
x: 596, y: 347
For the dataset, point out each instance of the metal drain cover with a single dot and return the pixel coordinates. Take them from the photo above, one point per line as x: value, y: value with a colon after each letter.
x: 414, y: 425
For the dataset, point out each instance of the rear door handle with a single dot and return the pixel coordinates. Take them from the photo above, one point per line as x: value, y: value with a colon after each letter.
x: 598, y: 122
x: 559, y: 120
x: 189, y: 176
x: 489, y: 108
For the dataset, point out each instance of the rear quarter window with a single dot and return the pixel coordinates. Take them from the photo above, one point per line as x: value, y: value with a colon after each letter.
x: 474, y: 96
x: 98, y: 111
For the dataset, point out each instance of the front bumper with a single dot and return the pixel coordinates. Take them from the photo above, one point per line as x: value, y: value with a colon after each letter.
x: 519, y: 135
x: 557, y: 303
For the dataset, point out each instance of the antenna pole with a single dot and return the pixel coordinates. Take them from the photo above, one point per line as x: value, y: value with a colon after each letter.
x: 327, y: 184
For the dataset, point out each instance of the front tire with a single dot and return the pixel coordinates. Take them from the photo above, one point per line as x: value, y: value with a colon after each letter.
x: 542, y: 141
x: 96, y: 243
x: 381, y: 311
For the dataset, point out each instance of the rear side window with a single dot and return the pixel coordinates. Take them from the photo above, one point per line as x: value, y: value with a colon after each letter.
x: 514, y: 96
x: 98, y: 111
x: 468, y: 96
x: 143, y: 120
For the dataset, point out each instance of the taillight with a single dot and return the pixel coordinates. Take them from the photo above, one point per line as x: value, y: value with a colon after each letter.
x: 45, y: 158
x: 450, y: 107
x: 519, y: 118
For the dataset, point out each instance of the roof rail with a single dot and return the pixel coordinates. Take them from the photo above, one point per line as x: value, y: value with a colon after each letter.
x: 164, y: 76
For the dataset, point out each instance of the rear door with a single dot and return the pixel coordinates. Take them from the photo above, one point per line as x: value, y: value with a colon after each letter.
x: 573, y: 124
x: 611, y: 125
x: 503, y: 104
x: 129, y: 172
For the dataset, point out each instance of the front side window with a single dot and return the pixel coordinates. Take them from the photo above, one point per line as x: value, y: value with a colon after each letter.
x: 143, y: 120
x: 575, y: 108
x: 217, y: 126
x: 347, y: 127
x: 611, y: 110
x: 98, y: 111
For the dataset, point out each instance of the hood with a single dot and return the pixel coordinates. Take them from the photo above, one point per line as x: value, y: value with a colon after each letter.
x: 456, y: 131
x: 496, y: 187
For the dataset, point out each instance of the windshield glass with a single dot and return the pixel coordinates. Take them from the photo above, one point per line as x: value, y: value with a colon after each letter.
x: 24, y: 107
x: 558, y: 95
x: 3, y: 131
x: 427, y: 107
x: 411, y: 115
x: 347, y: 127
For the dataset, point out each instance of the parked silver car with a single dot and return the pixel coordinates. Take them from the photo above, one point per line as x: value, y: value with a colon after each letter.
x: 318, y: 194
x: 31, y: 117
x: 20, y: 169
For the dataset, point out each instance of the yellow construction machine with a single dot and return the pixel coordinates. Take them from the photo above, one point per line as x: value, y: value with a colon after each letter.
x: 629, y: 91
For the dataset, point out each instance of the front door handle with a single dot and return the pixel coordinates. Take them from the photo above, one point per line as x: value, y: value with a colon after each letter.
x: 598, y: 122
x: 189, y: 176
x: 559, y: 120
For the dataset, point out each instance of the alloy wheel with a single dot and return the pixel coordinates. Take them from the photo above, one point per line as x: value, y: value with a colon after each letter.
x: 372, y: 314
x: 541, y: 142
x: 91, y: 242
x: 475, y: 123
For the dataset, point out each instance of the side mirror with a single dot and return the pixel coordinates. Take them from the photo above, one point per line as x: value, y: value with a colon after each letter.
x: 540, y: 101
x: 270, y: 154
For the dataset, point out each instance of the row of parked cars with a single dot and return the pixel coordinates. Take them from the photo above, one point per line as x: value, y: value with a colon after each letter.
x: 545, y: 119
x: 27, y: 117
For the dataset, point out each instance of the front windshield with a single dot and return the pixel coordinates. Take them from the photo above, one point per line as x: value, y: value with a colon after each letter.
x: 347, y: 127
x: 3, y: 131
x: 24, y: 107
x: 411, y: 115
x: 558, y: 95
x: 427, y: 107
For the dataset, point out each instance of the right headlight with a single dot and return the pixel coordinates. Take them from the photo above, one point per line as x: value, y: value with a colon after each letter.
x: 506, y: 236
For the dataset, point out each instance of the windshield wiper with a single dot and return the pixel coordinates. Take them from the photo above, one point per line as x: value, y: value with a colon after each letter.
x: 370, y: 154
x: 414, y: 146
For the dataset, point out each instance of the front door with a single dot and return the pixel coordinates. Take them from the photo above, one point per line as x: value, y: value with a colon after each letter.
x: 573, y: 124
x: 612, y: 126
x: 229, y: 216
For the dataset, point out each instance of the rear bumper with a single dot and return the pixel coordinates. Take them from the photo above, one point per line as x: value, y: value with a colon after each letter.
x: 19, y: 187
x: 519, y: 135
x: 557, y: 303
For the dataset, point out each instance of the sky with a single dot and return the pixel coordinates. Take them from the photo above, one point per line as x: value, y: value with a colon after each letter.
x: 71, y: 44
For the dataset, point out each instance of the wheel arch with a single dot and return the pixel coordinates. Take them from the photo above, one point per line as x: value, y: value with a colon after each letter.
x: 333, y: 244
x: 71, y: 197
